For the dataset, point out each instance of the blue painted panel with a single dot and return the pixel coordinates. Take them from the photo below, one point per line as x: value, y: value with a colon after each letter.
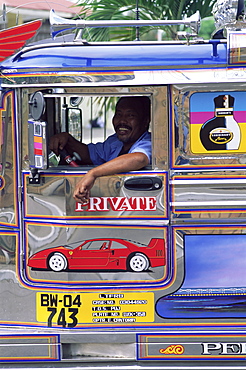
x: 136, y: 56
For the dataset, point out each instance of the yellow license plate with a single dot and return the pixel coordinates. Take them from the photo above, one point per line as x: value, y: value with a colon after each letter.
x: 70, y: 310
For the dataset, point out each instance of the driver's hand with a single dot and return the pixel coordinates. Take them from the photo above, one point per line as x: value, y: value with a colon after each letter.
x: 58, y: 142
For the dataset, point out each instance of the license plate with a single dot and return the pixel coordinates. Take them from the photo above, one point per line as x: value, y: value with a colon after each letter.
x: 70, y: 310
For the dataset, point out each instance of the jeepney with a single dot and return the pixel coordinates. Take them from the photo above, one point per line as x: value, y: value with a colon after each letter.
x: 150, y: 273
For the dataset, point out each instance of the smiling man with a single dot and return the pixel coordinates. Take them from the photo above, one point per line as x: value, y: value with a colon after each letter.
x: 127, y: 150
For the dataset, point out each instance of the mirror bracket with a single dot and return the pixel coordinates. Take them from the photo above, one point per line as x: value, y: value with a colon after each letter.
x: 34, y: 177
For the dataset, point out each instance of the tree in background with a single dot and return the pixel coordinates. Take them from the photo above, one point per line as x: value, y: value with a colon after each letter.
x: 147, y: 9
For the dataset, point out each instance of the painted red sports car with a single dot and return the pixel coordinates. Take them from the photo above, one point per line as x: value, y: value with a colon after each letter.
x: 102, y: 254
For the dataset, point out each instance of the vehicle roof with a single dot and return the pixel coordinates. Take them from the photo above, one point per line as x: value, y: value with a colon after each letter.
x: 132, y: 56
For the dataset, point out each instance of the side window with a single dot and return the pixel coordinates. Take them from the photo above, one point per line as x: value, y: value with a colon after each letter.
x: 116, y: 245
x: 87, y: 114
x: 96, y: 245
x: 108, y: 125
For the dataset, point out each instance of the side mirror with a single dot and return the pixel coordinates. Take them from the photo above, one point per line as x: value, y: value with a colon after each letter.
x: 74, y: 122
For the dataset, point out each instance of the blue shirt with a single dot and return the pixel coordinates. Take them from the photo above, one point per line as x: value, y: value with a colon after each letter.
x: 111, y: 147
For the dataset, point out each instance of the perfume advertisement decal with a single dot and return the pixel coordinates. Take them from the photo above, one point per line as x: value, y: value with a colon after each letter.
x: 218, y: 122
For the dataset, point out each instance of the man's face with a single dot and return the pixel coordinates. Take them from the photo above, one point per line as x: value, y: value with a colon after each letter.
x: 128, y: 121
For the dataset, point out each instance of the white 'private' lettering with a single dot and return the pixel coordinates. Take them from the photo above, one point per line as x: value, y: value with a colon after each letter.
x: 102, y: 204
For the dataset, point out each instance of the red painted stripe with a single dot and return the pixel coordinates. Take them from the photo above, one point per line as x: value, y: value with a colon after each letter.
x: 38, y: 151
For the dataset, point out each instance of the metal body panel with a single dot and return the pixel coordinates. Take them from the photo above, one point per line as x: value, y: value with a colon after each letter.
x: 57, y: 190
x: 209, y: 196
x: 165, y: 64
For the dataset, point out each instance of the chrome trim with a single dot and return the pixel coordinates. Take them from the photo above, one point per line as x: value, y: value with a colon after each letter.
x: 193, y: 22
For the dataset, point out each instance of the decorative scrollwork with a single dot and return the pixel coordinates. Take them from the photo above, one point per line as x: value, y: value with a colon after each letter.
x: 174, y: 349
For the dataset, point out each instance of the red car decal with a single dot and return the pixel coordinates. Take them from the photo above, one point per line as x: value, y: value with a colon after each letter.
x: 102, y: 254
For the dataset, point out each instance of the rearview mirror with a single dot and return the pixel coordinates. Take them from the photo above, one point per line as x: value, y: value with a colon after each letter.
x: 74, y: 122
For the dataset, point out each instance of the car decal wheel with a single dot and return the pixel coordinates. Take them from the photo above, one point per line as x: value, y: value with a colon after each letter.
x: 57, y: 262
x: 138, y: 262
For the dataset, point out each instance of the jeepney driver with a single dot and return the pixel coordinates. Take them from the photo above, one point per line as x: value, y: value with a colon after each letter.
x: 129, y: 149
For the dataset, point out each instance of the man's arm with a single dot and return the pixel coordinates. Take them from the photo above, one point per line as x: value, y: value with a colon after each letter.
x: 124, y: 163
x: 67, y: 141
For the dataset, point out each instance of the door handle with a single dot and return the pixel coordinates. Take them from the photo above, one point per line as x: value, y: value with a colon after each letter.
x: 143, y: 183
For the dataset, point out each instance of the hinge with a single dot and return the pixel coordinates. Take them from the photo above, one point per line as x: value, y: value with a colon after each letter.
x: 34, y: 177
